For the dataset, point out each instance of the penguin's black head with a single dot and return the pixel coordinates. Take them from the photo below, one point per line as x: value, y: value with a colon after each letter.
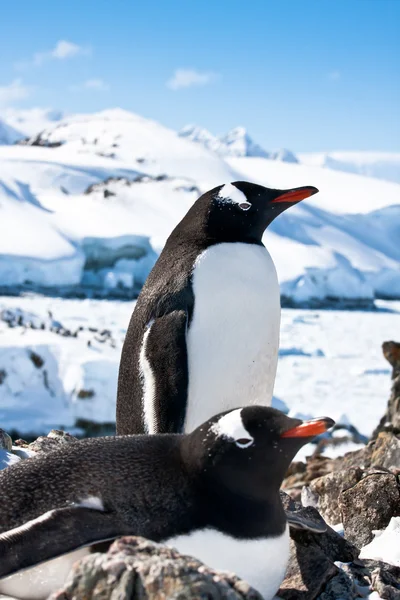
x: 241, y: 211
x: 248, y: 450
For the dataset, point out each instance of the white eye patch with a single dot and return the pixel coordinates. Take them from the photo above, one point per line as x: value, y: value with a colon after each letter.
x: 244, y: 442
x: 230, y: 193
x: 231, y: 426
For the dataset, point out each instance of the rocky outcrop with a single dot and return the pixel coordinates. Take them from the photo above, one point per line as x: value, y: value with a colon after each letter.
x: 391, y: 419
x: 137, y: 569
x: 369, y: 505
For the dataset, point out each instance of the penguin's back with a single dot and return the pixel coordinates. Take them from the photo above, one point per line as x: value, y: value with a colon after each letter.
x: 233, y: 337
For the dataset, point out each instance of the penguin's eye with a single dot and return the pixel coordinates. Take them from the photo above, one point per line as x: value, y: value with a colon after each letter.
x: 244, y: 442
x: 245, y: 205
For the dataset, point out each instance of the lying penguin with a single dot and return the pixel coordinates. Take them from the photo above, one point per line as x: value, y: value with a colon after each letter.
x: 204, y: 335
x: 212, y: 494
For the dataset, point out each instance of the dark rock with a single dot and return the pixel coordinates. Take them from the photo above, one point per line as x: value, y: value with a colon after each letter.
x: 3, y: 375
x: 137, y: 569
x: 334, y: 546
x: 312, y: 556
x: 340, y: 586
x: 36, y: 359
x: 85, y: 394
x: 386, y: 581
x: 308, y: 571
x: 369, y: 505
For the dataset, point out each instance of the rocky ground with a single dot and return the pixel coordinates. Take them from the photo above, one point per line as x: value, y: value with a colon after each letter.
x: 356, y: 494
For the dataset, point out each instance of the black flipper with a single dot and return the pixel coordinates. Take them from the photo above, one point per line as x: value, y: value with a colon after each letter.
x: 55, y: 533
x: 298, y: 520
x: 167, y: 354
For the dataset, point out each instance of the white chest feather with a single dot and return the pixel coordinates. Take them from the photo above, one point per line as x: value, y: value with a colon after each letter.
x: 233, y: 338
x: 262, y: 562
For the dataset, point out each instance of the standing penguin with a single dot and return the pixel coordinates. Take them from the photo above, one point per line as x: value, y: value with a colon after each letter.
x: 204, y: 334
x: 212, y: 494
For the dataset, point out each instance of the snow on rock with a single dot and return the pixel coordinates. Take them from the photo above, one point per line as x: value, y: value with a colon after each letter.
x: 7, y: 459
x: 386, y: 544
x: 381, y: 165
x: 51, y: 381
x: 9, y: 135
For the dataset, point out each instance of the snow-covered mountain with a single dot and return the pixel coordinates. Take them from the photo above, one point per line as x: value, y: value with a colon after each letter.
x: 236, y: 143
x: 138, y: 142
x: 194, y: 133
x: 30, y: 121
x: 382, y: 165
x: 88, y: 203
x: 284, y: 155
x: 8, y: 135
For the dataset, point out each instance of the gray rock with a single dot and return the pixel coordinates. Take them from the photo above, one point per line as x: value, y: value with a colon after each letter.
x: 391, y: 419
x: 137, y: 569
x: 328, y: 489
x: 53, y: 440
x: 5, y: 441
x: 386, y: 452
x: 369, y: 505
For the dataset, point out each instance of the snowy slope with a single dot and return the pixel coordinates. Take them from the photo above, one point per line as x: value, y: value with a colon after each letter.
x: 60, y: 229
x: 30, y: 121
x: 140, y: 142
x: 8, y: 135
x: 382, y: 165
x: 89, y: 212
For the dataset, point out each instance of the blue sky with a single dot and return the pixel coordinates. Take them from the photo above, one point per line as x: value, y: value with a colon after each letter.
x: 304, y: 74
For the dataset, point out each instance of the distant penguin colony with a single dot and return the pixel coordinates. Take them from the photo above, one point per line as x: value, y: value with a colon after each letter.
x: 204, y: 334
x: 212, y: 494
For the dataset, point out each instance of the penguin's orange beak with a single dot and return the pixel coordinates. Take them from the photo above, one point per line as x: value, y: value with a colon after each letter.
x: 309, y: 428
x: 295, y: 195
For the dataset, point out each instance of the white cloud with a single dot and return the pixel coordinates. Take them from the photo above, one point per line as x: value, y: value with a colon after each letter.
x: 96, y: 84
x: 90, y: 84
x: 13, y: 92
x: 61, y: 51
x: 184, y: 78
x: 334, y: 75
x: 64, y: 49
